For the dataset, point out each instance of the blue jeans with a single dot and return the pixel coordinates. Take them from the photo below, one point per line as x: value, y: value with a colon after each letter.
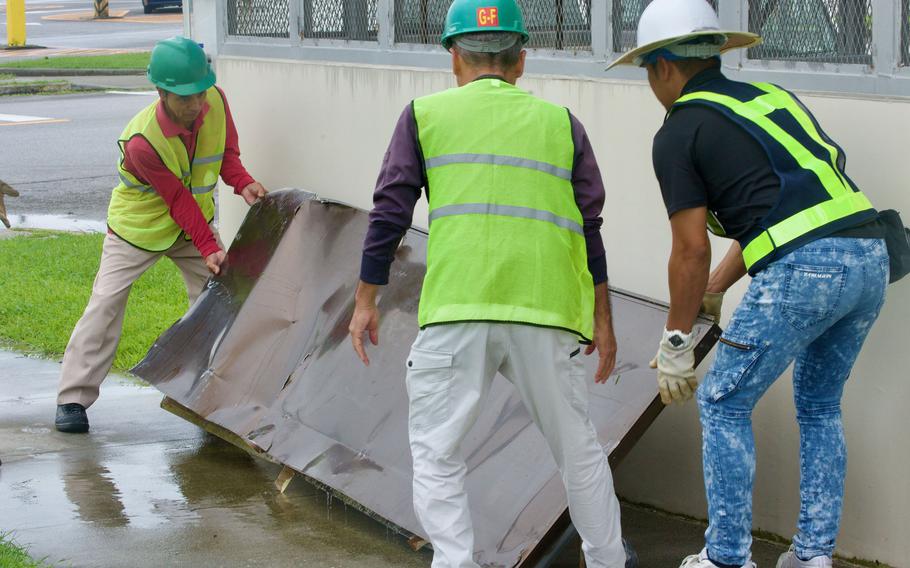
x: 814, y: 306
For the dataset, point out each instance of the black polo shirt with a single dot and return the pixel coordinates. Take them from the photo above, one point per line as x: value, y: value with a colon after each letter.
x: 702, y: 158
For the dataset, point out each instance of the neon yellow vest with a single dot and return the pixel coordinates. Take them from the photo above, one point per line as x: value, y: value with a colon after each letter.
x: 137, y: 214
x: 817, y: 198
x: 506, y: 236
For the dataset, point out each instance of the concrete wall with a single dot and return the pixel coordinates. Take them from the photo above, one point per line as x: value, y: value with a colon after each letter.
x: 325, y: 127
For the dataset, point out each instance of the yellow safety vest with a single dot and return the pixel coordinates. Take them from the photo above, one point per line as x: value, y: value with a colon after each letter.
x: 817, y: 198
x: 506, y: 236
x: 137, y: 214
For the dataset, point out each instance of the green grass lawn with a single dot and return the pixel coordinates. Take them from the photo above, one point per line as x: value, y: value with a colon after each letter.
x: 138, y: 60
x: 47, y: 280
x: 14, y: 556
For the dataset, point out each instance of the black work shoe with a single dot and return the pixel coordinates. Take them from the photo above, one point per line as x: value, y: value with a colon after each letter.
x: 631, y: 556
x: 71, y: 418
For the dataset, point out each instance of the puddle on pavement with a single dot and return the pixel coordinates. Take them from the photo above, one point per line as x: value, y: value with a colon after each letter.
x: 56, y: 223
x: 201, y: 502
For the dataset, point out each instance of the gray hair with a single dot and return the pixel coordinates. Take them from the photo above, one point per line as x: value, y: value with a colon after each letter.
x: 499, y: 50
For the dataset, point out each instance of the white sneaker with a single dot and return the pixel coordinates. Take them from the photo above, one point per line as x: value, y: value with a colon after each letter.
x: 700, y: 560
x: 789, y: 559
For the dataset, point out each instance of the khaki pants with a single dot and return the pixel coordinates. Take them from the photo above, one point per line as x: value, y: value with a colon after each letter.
x: 93, y: 344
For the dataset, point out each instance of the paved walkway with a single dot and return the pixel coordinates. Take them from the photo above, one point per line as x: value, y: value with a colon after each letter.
x: 147, y: 489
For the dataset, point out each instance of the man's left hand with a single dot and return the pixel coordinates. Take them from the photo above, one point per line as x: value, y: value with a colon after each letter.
x: 253, y: 192
x: 711, y: 305
x: 605, y: 344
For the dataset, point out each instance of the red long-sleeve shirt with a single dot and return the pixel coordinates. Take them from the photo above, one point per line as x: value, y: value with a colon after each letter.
x: 141, y: 160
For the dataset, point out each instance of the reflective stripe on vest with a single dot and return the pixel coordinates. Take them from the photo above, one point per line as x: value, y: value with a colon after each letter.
x: 803, y: 222
x: 136, y: 212
x: 134, y: 185
x: 844, y: 199
x: 506, y: 236
x: 506, y: 211
x: 496, y: 160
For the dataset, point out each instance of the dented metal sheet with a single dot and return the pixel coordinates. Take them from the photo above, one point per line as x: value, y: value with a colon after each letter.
x: 264, y: 354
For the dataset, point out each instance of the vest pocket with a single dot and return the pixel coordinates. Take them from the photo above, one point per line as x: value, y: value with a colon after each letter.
x: 429, y: 381
x: 811, y: 293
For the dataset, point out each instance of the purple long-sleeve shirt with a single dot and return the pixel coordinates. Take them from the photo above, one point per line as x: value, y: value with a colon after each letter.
x: 403, y: 175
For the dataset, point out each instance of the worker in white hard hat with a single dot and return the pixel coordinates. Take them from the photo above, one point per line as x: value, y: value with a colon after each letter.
x: 749, y: 162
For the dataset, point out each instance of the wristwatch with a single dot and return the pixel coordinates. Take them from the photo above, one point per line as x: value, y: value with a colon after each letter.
x: 677, y: 338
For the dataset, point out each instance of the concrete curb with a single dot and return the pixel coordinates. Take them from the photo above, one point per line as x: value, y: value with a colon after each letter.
x: 40, y: 72
x: 33, y: 89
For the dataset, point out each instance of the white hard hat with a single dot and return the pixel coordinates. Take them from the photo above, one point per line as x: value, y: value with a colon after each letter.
x: 669, y: 22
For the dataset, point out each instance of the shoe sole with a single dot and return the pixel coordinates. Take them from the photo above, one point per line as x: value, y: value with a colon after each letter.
x: 72, y: 428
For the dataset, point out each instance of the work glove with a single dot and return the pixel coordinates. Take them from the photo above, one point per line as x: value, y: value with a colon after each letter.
x: 711, y: 304
x: 5, y: 189
x: 675, y: 364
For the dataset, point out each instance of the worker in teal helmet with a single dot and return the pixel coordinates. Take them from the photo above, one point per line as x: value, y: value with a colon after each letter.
x: 178, y: 65
x: 171, y: 156
x: 749, y: 162
x: 516, y: 279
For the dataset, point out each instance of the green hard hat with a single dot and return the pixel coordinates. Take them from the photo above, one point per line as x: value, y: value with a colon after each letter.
x: 180, y: 66
x: 469, y: 16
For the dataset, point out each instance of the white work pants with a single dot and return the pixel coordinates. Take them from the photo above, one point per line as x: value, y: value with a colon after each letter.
x: 450, y: 370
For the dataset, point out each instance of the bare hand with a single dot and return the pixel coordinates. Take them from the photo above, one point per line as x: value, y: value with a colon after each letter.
x: 605, y: 344
x: 253, y: 192
x: 214, y: 261
x: 366, y: 318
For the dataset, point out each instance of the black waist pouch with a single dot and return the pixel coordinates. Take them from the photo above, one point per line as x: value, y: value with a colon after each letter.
x: 897, y: 237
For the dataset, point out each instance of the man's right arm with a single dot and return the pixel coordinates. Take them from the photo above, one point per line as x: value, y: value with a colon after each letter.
x: 396, y: 194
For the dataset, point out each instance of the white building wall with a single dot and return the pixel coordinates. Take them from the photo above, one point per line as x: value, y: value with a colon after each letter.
x: 325, y: 127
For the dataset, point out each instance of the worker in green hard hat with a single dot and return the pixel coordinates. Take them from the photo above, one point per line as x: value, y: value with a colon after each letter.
x: 171, y: 156
x: 516, y: 279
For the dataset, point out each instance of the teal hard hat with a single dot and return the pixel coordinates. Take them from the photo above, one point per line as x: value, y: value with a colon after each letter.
x: 470, y: 16
x: 180, y: 66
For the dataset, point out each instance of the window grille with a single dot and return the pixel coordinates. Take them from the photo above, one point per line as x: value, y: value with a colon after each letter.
x: 826, y: 31
x: 340, y: 19
x: 420, y: 21
x: 905, y: 34
x: 258, y: 18
x: 626, y: 14
x: 552, y: 24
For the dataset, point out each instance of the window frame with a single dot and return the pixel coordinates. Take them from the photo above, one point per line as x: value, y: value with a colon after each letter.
x: 885, y: 76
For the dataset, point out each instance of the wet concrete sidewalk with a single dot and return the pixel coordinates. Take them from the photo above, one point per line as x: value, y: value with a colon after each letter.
x: 147, y: 489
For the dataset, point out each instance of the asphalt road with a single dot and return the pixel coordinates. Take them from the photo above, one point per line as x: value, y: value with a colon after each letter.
x: 90, y: 34
x: 66, y: 167
x: 60, y: 152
